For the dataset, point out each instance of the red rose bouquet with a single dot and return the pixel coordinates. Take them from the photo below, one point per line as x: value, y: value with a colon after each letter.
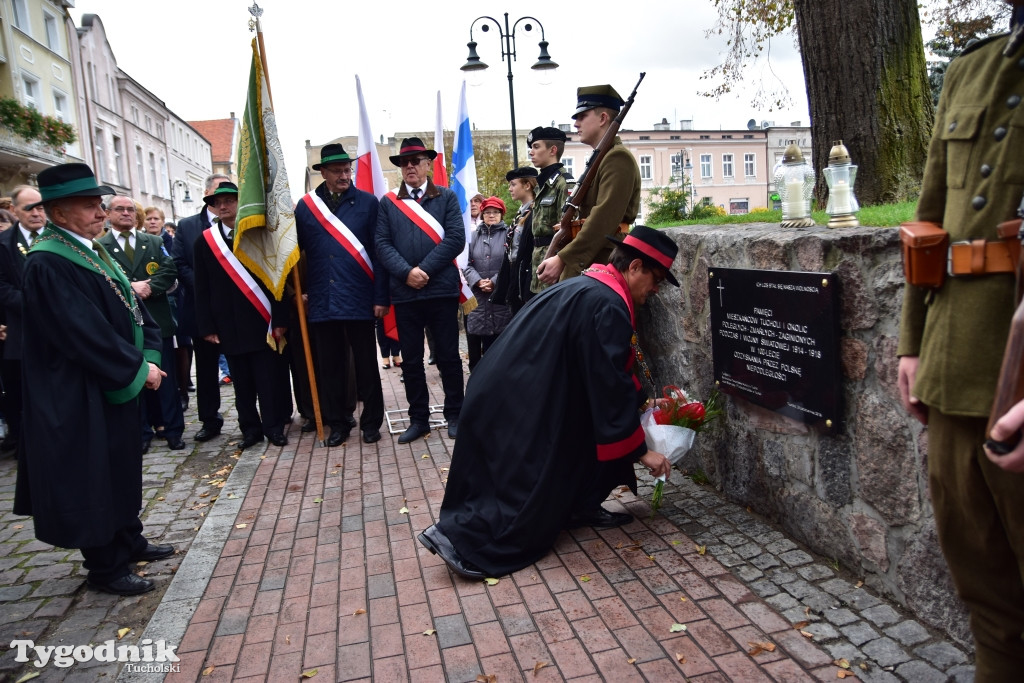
x: 671, y: 426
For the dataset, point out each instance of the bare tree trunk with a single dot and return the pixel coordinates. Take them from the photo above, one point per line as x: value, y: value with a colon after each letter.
x: 867, y: 84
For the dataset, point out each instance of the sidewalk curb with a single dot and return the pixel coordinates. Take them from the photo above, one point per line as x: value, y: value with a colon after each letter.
x: 172, y: 616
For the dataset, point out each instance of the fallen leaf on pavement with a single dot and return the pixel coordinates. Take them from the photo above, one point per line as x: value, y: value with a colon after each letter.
x: 487, y: 678
x: 858, y: 584
x: 842, y: 663
x: 676, y: 542
x: 318, y: 499
x: 19, y: 526
x: 404, y: 511
x: 430, y: 632
x: 28, y: 677
x: 538, y: 666
x: 584, y: 578
x: 631, y: 660
x: 807, y: 634
x: 680, y: 658
x: 800, y: 624
x: 241, y: 526
x: 844, y: 674
x: 359, y: 611
x: 208, y: 670
x: 287, y: 640
x: 491, y: 582
x: 701, y: 549
x: 676, y: 628
x: 309, y: 674
x: 122, y: 632
x: 757, y: 648
x: 424, y: 457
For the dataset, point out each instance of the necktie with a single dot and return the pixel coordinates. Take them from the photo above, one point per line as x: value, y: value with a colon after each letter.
x: 35, y: 234
x: 98, y: 248
x: 128, y: 250
x: 416, y: 194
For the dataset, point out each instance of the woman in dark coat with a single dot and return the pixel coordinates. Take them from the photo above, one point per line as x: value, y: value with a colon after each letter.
x: 488, y: 319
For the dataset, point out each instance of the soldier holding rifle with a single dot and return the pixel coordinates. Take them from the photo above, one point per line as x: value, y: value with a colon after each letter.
x: 952, y: 338
x: 613, y: 200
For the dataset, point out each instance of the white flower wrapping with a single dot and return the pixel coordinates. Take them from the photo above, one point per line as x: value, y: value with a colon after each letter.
x: 671, y: 441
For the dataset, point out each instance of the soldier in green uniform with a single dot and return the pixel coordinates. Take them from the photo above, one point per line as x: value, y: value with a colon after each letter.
x: 546, y: 148
x: 952, y: 340
x: 613, y: 201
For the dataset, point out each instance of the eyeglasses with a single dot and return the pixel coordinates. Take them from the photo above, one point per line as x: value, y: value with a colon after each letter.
x: 658, y: 275
x: 412, y: 161
x: 123, y: 209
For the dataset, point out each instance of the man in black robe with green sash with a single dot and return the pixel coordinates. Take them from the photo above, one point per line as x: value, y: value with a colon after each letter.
x: 89, y: 350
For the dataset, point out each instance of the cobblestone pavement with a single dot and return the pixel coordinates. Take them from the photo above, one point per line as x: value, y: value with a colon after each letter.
x: 307, y: 560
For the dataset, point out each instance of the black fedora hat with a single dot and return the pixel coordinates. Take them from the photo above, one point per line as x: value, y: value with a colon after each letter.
x: 332, y: 154
x: 409, y: 147
x: 653, y: 247
x: 68, y: 180
x: 226, y: 187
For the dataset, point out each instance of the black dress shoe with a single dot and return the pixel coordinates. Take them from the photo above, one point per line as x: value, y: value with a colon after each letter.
x: 453, y: 428
x: 184, y: 402
x: 371, y: 435
x: 337, y: 437
x: 308, y: 426
x: 176, y: 443
x: 414, y: 432
x: 351, y: 422
x: 145, y: 445
x: 251, y: 440
x: 430, y: 360
x: 598, y: 517
x: 439, y: 544
x: 153, y: 552
x: 279, y: 439
x: 126, y: 585
x: 209, y: 431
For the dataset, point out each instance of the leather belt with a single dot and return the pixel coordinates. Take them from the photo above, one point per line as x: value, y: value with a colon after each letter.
x: 979, y: 257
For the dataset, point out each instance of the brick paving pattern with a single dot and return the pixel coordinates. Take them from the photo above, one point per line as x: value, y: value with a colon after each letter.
x: 308, y: 561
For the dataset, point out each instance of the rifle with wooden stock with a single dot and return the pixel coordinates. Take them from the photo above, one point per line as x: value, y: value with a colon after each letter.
x: 571, y: 210
x: 1010, y: 388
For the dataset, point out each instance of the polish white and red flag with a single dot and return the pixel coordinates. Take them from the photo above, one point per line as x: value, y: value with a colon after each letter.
x: 370, y: 178
x: 440, y: 170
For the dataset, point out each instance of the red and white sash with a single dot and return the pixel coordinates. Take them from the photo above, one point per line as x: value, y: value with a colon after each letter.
x: 339, y: 231
x: 238, y: 274
x: 423, y: 220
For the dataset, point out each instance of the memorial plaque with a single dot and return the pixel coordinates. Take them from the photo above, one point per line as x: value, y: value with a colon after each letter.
x: 775, y: 341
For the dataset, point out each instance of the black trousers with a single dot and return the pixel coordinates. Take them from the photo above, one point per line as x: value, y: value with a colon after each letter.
x: 336, y: 342
x: 440, y: 316
x: 388, y: 346
x: 163, y: 406
x: 111, y: 561
x: 256, y: 378
x: 478, y: 345
x: 208, y: 381
x: 10, y: 372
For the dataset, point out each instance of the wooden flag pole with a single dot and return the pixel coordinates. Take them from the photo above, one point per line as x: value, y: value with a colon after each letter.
x: 300, y: 303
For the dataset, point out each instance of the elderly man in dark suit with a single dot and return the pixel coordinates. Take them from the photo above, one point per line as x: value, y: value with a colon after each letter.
x: 14, y: 245
x: 89, y: 350
x: 207, y: 354
x: 151, y: 271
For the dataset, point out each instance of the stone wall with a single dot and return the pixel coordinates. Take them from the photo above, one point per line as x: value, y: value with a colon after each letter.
x: 860, y: 496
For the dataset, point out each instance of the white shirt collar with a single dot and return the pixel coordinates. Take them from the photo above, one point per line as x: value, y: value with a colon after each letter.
x: 27, y: 234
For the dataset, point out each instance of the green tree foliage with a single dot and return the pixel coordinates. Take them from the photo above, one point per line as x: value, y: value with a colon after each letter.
x: 958, y: 23
x: 669, y: 205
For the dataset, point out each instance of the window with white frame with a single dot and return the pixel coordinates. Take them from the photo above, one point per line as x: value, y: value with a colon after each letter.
x: 152, y: 173
x: 101, y: 157
x: 31, y: 85
x: 676, y: 160
x: 52, y: 32
x: 749, y: 165
x: 163, y: 173
x: 140, y: 169
x: 60, y: 107
x: 727, y: 161
x: 135, y: 114
x: 118, y: 161
x: 645, y: 167
x: 569, y: 164
x: 149, y: 123
x: 705, y: 165
x: 19, y: 15
x: 92, y: 82
x: 112, y: 93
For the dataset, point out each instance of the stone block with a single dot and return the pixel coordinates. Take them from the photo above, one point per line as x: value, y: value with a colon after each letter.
x: 815, y: 572
x: 881, y: 615
x: 766, y: 561
x: 919, y: 672
x: 834, y: 460
x: 840, y: 617
x: 923, y: 576
x: 942, y: 654
x: 886, y: 469
x: 870, y: 536
x: 795, y: 558
x: 908, y: 633
x: 859, y: 633
x: 885, y: 651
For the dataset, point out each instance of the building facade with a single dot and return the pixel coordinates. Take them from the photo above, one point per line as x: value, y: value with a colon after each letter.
x: 223, y: 137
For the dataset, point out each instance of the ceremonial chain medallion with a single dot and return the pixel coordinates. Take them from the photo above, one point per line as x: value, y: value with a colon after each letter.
x: 132, y: 307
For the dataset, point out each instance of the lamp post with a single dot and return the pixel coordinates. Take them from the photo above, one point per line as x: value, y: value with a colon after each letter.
x: 187, y: 199
x: 508, y: 53
x: 688, y: 174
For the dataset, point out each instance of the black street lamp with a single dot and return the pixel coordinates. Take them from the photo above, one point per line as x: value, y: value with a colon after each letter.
x: 187, y: 199
x: 544, y: 62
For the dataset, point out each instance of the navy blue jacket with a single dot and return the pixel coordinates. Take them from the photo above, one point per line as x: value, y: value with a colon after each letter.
x: 401, y: 245
x: 337, y: 286
x: 182, y: 251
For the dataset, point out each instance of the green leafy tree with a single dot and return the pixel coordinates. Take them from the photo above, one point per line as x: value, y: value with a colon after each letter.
x: 957, y: 24
x: 866, y: 77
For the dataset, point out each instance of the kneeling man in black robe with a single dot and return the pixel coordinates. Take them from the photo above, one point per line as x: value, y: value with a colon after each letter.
x: 551, y: 421
x: 90, y: 348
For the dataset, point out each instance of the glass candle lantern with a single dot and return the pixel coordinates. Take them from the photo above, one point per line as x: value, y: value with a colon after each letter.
x: 794, y: 181
x: 840, y: 176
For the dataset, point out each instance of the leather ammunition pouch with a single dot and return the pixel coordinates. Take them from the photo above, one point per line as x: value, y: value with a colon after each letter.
x: 928, y: 257
x: 924, y: 253
x: 577, y: 225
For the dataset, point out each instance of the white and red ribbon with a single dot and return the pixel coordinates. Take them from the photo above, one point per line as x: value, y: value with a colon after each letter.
x: 242, y: 278
x: 337, y: 229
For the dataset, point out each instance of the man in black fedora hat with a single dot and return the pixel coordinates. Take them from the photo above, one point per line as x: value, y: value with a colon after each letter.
x: 613, y: 201
x: 419, y: 234
x: 90, y: 348
x: 236, y: 312
x: 549, y: 429
x: 347, y: 290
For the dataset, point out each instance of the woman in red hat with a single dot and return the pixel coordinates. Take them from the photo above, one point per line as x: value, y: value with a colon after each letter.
x: 486, y: 251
